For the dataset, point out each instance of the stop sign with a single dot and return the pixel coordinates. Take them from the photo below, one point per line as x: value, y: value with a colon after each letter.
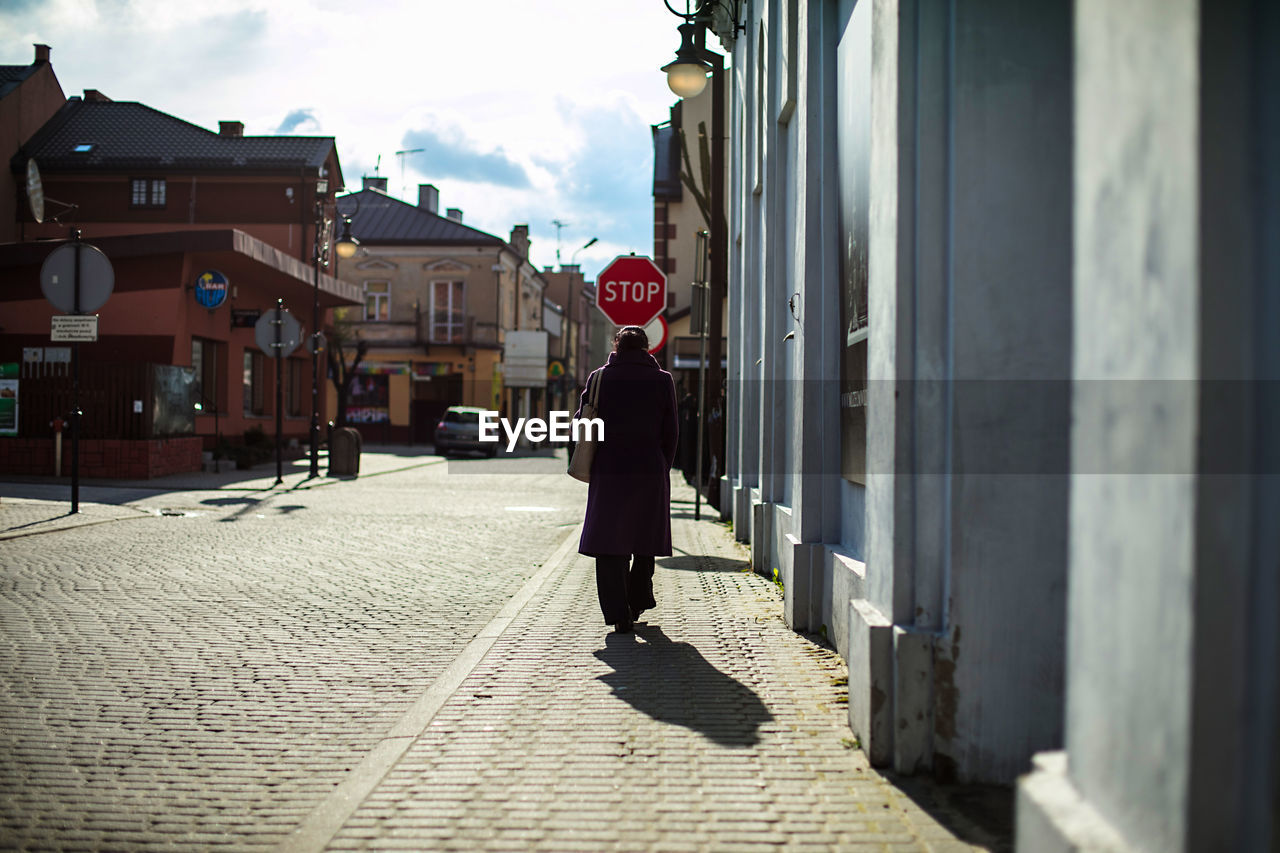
x: 631, y: 291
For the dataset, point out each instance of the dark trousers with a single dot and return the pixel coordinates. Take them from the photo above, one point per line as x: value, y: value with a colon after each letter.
x: 622, y: 590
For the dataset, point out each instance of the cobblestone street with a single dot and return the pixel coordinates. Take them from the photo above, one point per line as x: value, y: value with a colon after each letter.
x: 413, y: 659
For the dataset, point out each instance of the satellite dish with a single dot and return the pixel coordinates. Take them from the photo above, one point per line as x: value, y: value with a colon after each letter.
x: 35, y: 191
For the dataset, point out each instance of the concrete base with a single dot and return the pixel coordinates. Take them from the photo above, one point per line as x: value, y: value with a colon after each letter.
x: 1054, y: 818
x: 761, y: 561
x: 742, y: 513
x: 913, y: 701
x: 844, y: 580
x: 871, y: 681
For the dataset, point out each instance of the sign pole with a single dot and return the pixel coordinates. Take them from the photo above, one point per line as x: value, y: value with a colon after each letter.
x: 279, y: 324
x: 75, y: 383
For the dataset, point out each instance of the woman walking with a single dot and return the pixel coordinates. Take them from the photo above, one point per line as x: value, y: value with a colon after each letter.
x: 628, y: 520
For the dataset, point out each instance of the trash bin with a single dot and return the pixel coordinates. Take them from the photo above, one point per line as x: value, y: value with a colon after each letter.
x: 344, y: 452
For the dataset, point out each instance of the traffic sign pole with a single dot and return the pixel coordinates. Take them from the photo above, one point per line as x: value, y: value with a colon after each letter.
x: 77, y: 279
x: 75, y: 384
x: 279, y: 324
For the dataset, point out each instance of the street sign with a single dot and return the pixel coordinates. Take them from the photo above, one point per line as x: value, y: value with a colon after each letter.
x: 58, y: 278
x: 524, y: 360
x: 74, y: 327
x: 264, y: 332
x: 315, y: 343
x: 656, y: 332
x: 631, y: 291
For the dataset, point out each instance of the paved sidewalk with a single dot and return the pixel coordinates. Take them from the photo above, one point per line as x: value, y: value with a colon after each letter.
x: 713, y: 728
x: 33, y: 505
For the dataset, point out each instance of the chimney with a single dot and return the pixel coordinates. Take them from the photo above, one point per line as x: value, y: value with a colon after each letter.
x: 95, y: 95
x: 520, y: 240
x: 42, y: 53
x: 428, y: 197
x: 231, y: 128
x: 455, y: 214
x: 375, y: 182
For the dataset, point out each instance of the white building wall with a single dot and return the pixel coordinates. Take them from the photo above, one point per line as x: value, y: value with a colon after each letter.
x: 965, y: 195
x: 1173, y: 724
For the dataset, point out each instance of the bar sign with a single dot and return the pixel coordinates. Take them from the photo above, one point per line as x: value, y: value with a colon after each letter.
x: 74, y: 327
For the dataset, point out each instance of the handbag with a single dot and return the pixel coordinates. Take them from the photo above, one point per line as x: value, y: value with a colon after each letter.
x: 584, y: 452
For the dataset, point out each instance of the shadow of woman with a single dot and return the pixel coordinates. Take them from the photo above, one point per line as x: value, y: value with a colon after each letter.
x: 674, y: 683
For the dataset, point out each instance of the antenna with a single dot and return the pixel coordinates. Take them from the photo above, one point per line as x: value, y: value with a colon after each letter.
x: 558, y: 224
x: 377, y: 165
x: 400, y: 154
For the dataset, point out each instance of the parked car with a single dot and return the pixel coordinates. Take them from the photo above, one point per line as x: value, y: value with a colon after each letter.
x: 459, y: 430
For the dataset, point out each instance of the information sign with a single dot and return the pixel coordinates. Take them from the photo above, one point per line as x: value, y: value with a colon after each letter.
x: 74, y: 327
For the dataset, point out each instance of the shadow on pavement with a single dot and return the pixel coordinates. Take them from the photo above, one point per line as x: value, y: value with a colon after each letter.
x: 673, y: 683
x: 978, y: 814
x: 701, y: 563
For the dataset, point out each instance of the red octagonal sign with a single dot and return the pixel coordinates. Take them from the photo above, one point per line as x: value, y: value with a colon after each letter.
x: 631, y: 290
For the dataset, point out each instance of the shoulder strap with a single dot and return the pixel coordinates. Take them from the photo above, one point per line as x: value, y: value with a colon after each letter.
x: 594, y: 397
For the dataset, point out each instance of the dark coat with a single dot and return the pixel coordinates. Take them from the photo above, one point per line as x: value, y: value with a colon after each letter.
x: 629, y: 497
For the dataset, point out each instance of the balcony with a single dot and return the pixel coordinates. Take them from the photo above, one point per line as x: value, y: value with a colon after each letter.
x: 408, y: 335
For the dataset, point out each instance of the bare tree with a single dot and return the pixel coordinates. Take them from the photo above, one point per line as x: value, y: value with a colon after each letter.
x: 701, y: 192
x: 343, y: 337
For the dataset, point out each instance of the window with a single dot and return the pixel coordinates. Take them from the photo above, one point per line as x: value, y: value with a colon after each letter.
x: 204, y: 359
x: 147, y: 192
x: 254, y: 383
x: 377, y: 300
x: 446, y: 312
x: 83, y: 148
x: 294, y: 377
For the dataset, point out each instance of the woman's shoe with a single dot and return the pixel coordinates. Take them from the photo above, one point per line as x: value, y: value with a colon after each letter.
x: 623, y: 627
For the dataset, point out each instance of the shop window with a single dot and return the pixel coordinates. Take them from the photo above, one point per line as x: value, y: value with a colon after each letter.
x: 147, y: 192
x: 447, y: 312
x: 205, y: 358
x: 369, y: 400
x: 852, y: 110
x: 377, y: 301
x: 255, y: 391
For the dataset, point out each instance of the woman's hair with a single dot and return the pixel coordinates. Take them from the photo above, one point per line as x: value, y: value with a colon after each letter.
x: 630, y: 338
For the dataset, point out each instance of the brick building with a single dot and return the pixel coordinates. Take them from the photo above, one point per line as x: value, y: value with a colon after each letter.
x: 205, y: 231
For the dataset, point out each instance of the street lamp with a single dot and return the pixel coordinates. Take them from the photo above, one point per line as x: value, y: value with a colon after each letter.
x: 346, y: 245
x: 687, y: 74
x: 587, y: 245
x: 345, y: 248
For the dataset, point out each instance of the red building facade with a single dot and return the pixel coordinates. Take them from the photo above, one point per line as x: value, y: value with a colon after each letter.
x: 205, y: 231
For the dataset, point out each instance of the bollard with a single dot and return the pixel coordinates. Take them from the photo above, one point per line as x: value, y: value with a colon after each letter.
x: 344, y: 452
x: 57, y: 425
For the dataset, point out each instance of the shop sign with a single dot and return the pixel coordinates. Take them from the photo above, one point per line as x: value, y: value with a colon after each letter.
x: 245, y: 318
x: 211, y: 289
x: 9, y: 399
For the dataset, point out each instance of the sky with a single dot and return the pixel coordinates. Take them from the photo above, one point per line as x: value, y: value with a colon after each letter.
x: 527, y: 111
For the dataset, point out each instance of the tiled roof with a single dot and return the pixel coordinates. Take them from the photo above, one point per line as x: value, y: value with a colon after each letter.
x: 129, y: 135
x: 12, y: 75
x: 379, y: 219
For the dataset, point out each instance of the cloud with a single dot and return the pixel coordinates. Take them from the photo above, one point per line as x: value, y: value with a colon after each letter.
x: 608, y: 178
x: 297, y: 118
x: 451, y: 156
